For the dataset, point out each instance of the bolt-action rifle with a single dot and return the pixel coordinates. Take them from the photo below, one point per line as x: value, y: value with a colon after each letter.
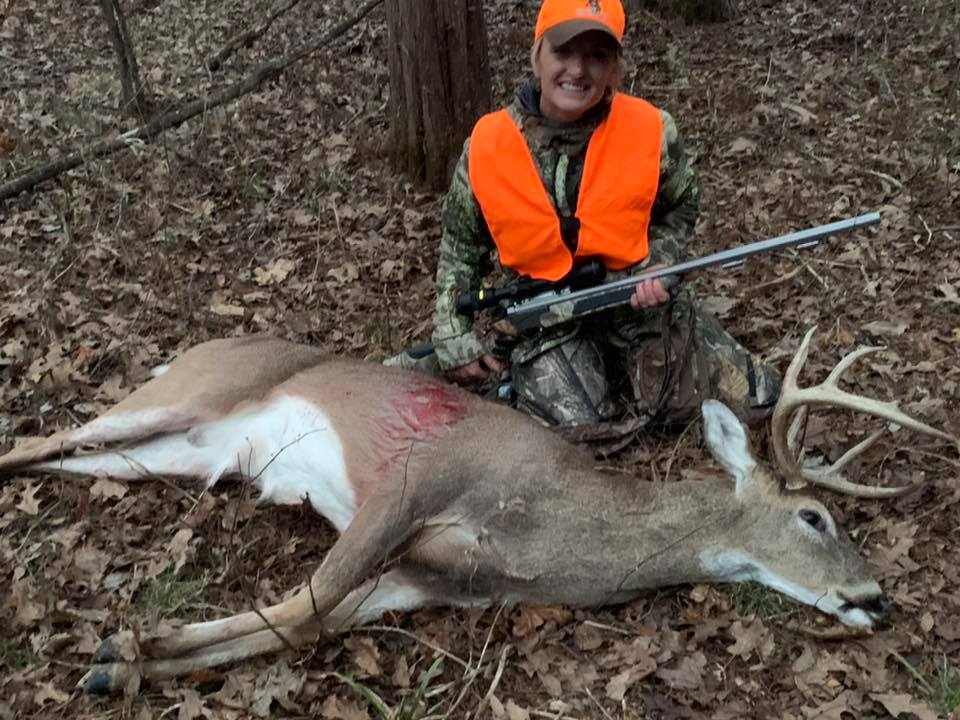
x: 550, y: 306
x: 532, y: 304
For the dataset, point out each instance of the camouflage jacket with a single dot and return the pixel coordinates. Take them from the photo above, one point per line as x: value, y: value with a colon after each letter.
x: 558, y: 152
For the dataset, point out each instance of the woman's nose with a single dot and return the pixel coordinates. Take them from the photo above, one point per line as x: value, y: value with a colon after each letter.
x: 575, y: 64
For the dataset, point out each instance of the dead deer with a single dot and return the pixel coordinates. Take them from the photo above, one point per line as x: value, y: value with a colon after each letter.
x: 442, y: 498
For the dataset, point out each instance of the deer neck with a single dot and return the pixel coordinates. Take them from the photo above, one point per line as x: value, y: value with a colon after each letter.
x: 683, y: 528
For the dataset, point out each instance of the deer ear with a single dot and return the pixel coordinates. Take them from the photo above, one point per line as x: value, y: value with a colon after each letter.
x: 728, y: 443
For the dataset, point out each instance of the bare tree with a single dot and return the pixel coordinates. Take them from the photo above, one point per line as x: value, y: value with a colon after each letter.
x: 135, y: 99
x: 439, y: 83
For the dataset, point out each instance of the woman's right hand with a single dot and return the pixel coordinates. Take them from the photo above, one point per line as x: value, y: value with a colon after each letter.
x: 477, y: 371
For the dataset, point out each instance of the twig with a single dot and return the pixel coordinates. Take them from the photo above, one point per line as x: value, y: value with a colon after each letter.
x: 776, y: 281
x: 673, y: 453
x: 481, y: 706
x: 610, y: 628
x: 599, y: 706
x: 815, y: 275
x: 883, y: 176
x: 178, y: 115
x: 246, y: 38
x: 929, y: 235
x: 406, y: 633
x: 474, y: 672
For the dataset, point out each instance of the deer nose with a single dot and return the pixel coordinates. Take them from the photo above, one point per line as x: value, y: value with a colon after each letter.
x: 878, y: 606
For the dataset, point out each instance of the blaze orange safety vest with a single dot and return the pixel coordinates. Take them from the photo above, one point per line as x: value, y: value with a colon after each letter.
x: 620, y: 178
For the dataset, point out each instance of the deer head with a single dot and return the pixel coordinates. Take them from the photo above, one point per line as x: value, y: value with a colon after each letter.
x: 785, y: 539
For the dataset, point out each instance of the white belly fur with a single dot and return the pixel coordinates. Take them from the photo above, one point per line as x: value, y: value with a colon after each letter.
x: 292, y: 452
x: 289, y: 448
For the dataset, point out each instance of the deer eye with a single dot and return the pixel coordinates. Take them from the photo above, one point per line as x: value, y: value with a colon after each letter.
x: 814, y: 520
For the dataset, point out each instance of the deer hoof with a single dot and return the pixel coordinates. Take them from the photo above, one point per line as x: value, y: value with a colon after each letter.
x: 107, y: 652
x: 102, y: 679
x: 119, y: 647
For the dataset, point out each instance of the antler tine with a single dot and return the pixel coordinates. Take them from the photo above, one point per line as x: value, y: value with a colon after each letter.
x: 828, y: 393
x: 782, y: 434
x: 827, y: 476
x: 793, y: 434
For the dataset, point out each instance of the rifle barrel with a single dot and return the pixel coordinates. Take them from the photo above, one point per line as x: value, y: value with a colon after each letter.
x: 554, y: 308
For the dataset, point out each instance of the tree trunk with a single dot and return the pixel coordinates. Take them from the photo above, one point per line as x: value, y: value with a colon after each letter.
x: 135, y: 100
x: 439, y: 83
x: 690, y: 10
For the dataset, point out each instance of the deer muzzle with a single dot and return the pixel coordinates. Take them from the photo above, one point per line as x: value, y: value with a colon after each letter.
x: 877, y: 607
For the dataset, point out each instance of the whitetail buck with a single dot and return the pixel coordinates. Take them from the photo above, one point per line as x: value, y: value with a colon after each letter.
x: 441, y: 497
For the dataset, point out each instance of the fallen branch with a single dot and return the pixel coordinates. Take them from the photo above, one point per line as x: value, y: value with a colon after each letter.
x: 176, y: 116
x: 246, y: 38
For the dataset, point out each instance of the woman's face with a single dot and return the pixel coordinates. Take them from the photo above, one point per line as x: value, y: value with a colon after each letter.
x: 575, y: 76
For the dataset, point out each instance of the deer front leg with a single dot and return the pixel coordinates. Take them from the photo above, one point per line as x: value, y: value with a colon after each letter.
x: 396, y: 590
x: 379, y: 527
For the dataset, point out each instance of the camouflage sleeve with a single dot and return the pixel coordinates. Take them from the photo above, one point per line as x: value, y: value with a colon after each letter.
x: 677, y: 204
x: 463, y: 248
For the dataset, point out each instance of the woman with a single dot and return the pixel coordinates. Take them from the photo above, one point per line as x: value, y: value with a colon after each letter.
x: 573, y: 169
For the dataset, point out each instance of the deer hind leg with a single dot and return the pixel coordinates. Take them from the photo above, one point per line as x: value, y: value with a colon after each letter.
x: 381, y: 525
x: 117, y: 425
x: 396, y: 590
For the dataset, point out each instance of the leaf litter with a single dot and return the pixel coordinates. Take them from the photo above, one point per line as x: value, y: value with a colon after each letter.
x: 279, y: 214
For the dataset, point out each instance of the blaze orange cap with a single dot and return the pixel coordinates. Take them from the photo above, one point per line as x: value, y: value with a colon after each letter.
x: 563, y: 20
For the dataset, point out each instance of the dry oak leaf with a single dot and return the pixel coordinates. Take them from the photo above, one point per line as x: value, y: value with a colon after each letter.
x: 29, y: 504
x: 848, y: 702
x: 897, y: 704
x: 337, y: 708
x: 346, y: 273
x: 364, y: 654
x: 742, y: 146
x: 179, y: 548
x: 48, y: 693
x: 275, y: 273
x: 619, y: 684
x: 750, y: 637
x: 107, y: 489
x: 515, y: 712
x: 226, y: 310
x: 688, y: 675
x: 527, y: 620
x: 278, y: 683
x: 885, y: 328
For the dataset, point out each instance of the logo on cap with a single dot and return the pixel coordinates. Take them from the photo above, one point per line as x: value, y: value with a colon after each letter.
x: 592, y: 8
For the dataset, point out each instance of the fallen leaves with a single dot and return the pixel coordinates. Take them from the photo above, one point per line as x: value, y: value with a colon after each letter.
x: 284, y: 217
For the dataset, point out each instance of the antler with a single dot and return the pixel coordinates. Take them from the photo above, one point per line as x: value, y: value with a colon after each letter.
x: 794, y: 399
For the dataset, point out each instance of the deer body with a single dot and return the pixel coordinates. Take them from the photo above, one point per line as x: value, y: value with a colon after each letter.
x: 473, y: 503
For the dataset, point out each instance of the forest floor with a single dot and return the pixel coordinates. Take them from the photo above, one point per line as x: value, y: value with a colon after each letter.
x: 279, y: 214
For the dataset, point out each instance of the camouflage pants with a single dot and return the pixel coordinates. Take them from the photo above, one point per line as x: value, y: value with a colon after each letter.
x: 662, y: 363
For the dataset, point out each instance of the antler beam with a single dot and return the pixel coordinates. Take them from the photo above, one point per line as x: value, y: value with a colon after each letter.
x: 794, y: 399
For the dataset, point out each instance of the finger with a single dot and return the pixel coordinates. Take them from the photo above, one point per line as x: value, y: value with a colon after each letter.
x: 493, y: 363
x: 660, y: 292
x: 647, y: 294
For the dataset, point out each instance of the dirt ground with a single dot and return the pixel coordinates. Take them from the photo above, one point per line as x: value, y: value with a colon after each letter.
x: 279, y: 214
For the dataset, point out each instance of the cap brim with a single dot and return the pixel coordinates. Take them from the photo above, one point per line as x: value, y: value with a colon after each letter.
x: 566, y: 31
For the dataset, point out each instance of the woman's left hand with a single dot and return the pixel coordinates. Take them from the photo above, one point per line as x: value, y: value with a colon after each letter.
x: 649, y: 293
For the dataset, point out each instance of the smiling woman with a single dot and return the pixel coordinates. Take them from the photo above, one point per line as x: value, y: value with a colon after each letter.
x: 573, y: 172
